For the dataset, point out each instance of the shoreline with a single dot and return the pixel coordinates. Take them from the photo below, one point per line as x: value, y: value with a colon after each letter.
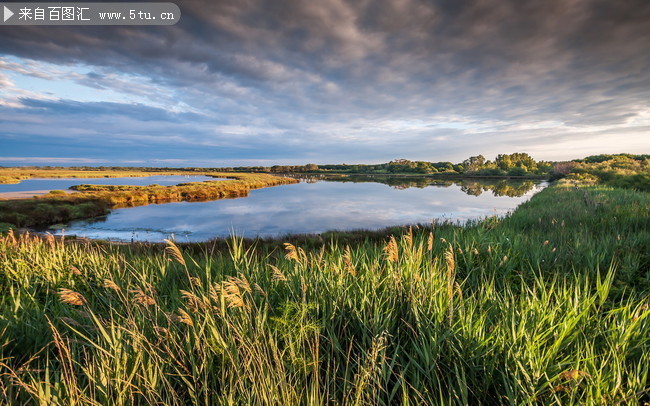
x: 97, y: 200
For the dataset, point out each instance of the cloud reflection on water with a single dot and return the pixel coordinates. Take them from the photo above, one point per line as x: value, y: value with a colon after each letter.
x: 305, y: 208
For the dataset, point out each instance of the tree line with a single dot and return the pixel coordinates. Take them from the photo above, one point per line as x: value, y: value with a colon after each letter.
x: 516, y: 164
x: 603, y: 166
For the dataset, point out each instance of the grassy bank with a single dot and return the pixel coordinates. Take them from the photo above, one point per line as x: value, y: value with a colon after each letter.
x: 126, y: 196
x: 547, y: 306
x: 622, y: 171
x: 96, y: 200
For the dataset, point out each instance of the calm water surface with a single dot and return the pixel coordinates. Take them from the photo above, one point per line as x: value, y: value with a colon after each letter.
x: 65, y: 183
x: 306, y: 208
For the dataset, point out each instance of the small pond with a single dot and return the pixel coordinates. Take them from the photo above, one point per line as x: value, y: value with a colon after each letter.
x: 312, y: 206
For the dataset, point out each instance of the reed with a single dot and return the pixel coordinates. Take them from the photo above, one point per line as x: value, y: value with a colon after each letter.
x: 549, y: 305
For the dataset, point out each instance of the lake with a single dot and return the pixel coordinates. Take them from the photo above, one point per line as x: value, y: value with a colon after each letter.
x: 40, y: 186
x: 312, y: 206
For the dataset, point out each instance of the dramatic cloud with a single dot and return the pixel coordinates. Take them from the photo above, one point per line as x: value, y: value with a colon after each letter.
x: 250, y: 82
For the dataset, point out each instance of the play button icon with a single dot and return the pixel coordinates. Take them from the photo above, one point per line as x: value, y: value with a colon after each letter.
x: 7, y: 14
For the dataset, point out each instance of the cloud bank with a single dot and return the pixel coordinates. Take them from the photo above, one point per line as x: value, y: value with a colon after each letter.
x: 256, y: 82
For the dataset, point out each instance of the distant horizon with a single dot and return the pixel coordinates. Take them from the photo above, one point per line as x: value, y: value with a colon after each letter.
x: 134, y: 165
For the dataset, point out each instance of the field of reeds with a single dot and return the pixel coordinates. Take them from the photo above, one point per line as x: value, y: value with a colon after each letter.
x: 96, y: 200
x: 549, y: 305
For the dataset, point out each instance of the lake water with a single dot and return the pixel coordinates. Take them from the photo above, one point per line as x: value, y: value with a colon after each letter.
x: 64, y: 183
x: 309, y: 207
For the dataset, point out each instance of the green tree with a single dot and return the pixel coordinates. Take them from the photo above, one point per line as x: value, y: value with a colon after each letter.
x: 518, y: 159
x: 474, y: 163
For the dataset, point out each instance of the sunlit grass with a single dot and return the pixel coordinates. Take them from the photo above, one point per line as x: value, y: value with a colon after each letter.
x: 547, y: 306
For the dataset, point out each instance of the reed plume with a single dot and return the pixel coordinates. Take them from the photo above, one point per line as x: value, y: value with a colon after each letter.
x: 194, y: 281
x: 451, y: 274
x: 233, y: 293
x: 194, y: 303
x: 408, y: 238
x: 109, y: 284
x: 11, y: 237
x: 49, y: 238
x: 277, y: 274
x: 71, y: 297
x: 347, y: 261
x: 142, y: 298
x: 172, y: 250
x: 450, y: 260
x: 182, y: 317
x: 292, y: 253
x: 391, y: 250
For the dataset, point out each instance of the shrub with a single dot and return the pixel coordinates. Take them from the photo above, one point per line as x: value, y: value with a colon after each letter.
x: 518, y: 171
x: 491, y: 172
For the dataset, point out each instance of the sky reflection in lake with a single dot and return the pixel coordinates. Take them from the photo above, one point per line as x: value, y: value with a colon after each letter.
x: 299, y: 208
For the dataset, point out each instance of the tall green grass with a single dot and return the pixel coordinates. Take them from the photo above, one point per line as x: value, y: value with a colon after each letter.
x: 547, y: 306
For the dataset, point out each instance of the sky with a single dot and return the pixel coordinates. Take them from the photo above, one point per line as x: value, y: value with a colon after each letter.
x: 264, y: 82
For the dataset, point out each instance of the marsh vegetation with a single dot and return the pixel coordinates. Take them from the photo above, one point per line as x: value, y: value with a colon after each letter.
x: 548, y: 305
